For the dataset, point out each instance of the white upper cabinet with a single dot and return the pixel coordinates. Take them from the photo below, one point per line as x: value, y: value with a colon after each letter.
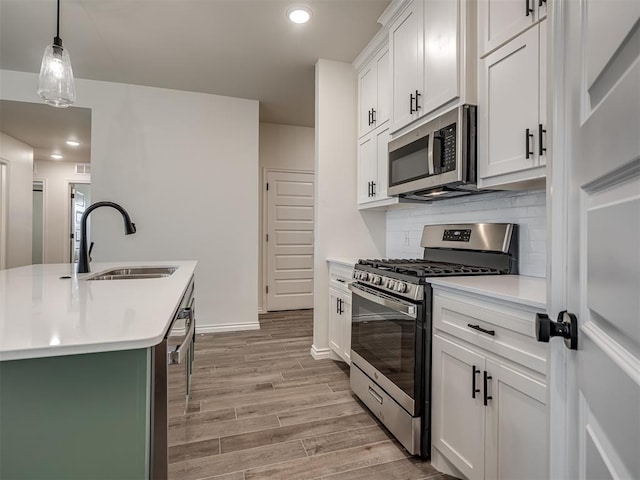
x: 441, y: 53
x: 373, y: 92
x: 373, y: 71
x: 512, y: 132
x: 432, y: 53
x: 406, y: 48
x: 502, y: 20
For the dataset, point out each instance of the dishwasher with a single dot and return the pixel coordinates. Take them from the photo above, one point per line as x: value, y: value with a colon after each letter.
x: 173, y: 357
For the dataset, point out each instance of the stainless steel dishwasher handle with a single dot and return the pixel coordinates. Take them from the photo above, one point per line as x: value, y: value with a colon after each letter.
x: 385, y: 300
x: 175, y: 356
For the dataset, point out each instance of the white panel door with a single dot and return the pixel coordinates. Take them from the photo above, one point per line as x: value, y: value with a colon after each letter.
x: 508, y: 106
x: 601, y: 228
x: 290, y: 240
x: 458, y: 427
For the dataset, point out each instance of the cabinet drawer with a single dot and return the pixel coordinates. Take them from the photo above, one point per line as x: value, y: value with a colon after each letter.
x: 501, y: 329
x: 339, y: 276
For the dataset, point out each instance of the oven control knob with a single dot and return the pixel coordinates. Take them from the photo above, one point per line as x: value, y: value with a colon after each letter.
x: 401, y: 287
x: 376, y: 280
x: 364, y: 276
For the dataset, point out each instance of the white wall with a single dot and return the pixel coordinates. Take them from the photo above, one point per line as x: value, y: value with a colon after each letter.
x: 284, y: 147
x: 19, y: 160
x: 185, y: 166
x: 56, y: 177
x: 341, y: 230
x: 527, y: 209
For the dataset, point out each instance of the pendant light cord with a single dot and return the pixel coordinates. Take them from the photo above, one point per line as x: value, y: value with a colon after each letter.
x: 57, y: 41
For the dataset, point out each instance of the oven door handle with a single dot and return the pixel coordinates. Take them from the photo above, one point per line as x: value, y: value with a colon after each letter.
x: 404, y: 308
x: 175, y: 356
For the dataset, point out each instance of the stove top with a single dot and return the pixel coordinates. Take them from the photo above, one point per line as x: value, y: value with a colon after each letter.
x: 449, y: 250
x: 425, y: 268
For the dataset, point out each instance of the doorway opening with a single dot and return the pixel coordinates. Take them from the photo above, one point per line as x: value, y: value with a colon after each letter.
x: 79, y: 200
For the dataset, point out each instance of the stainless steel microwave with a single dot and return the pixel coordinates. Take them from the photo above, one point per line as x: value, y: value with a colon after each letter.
x: 436, y: 160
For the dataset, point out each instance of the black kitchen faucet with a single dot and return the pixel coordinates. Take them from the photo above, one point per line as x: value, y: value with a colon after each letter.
x: 129, y: 228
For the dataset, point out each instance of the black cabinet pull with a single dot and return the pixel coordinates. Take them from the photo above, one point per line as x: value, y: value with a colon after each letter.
x: 411, y: 99
x: 373, y: 189
x: 474, y: 390
x: 418, y: 95
x: 340, y: 309
x: 487, y: 377
x: 369, y: 118
x: 541, y: 147
x: 527, y: 9
x: 528, y: 137
x: 541, y: 2
x: 373, y: 116
x: 480, y: 329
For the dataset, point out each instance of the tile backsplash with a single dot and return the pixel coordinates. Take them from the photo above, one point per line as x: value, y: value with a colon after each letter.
x: 527, y: 209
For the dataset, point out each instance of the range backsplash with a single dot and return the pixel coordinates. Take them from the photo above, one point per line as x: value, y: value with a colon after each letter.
x: 527, y: 209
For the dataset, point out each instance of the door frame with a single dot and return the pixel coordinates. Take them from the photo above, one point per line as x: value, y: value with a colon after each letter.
x: 264, y: 219
x: 67, y: 255
x: 557, y: 196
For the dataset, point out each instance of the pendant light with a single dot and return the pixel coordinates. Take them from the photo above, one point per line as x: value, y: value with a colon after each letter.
x: 56, y: 85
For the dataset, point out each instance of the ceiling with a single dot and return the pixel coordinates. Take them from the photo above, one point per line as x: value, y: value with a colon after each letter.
x: 237, y: 48
x: 46, y: 129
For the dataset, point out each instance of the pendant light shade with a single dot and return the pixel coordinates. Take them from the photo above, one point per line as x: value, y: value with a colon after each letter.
x: 55, y: 84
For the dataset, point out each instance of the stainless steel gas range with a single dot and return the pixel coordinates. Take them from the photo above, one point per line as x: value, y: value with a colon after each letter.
x: 391, y: 321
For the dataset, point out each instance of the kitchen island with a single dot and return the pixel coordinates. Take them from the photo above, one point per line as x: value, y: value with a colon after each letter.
x: 77, y: 369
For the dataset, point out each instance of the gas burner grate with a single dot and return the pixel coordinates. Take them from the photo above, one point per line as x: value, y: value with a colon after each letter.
x: 425, y: 268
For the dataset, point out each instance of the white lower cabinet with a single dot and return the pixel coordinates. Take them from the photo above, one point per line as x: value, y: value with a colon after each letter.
x: 340, y: 310
x: 340, y: 324
x: 489, y: 411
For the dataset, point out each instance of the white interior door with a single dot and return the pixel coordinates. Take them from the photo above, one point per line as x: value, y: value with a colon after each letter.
x: 599, y: 144
x: 290, y: 240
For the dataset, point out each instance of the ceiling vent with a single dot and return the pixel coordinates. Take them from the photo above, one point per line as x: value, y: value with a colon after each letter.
x: 83, y: 168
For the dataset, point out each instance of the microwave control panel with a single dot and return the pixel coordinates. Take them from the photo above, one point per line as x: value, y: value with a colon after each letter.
x: 445, y: 149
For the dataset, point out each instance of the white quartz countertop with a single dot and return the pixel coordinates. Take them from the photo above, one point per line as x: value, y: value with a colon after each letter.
x: 349, y: 262
x: 42, y: 315
x: 531, y: 291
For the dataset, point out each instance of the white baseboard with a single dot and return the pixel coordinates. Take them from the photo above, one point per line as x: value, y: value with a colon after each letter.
x: 261, y: 310
x: 320, y: 353
x: 227, y: 327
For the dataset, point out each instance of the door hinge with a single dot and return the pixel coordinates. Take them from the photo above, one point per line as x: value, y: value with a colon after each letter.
x: 267, y: 237
x: 267, y: 186
x: 73, y: 195
x: 267, y: 288
x: 71, y: 236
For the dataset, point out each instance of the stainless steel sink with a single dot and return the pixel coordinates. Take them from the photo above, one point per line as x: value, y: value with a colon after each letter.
x: 134, y: 273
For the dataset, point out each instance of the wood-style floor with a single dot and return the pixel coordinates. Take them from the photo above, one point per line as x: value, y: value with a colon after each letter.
x: 263, y: 408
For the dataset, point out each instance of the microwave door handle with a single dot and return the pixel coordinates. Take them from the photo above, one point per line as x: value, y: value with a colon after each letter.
x: 408, y: 310
x: 175, y: 356
x: 432, y: 141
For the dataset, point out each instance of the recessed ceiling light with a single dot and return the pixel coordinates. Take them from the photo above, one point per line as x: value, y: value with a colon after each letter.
x: 72, y: 143
x: 56, y: 156
x: 299, y: 14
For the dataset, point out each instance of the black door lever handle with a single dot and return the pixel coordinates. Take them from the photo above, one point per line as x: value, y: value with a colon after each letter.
x: 566, y: 327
